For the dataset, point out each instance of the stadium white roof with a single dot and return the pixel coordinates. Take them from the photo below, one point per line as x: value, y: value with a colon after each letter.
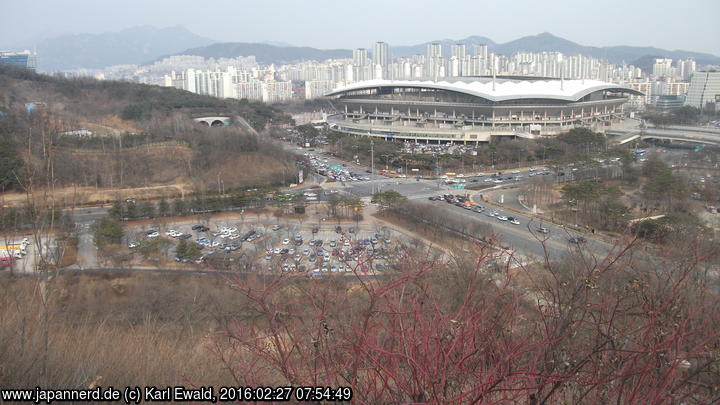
x: 503, y: 89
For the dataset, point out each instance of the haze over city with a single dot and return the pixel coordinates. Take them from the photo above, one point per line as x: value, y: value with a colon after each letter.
x: 690, y: 25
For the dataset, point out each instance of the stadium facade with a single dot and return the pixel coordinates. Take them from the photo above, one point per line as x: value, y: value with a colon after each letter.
x: 475, y: 109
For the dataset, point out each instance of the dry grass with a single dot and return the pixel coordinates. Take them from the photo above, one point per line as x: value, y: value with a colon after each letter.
x: 131, y: 330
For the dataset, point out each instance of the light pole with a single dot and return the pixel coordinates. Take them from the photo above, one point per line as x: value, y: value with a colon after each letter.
x: 372, y: 162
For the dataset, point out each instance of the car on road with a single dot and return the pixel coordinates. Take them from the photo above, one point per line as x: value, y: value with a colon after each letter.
x: 514, y: 221
x: 133, y: 245
x: 276, y: 227
x: 152, y: 234
x: 286, y: 241
x: 502, y: 217
x: 577, y: 240
x: 543, y: 230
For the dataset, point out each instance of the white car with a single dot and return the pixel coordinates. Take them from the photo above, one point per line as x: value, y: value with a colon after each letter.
x: 286, y: 241
x: 502, y: 217
x: 515, y: 222
x: 171, y: 232
x: 152, y: 234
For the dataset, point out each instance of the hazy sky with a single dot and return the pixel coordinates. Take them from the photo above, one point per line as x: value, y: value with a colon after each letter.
x: 689, y: 25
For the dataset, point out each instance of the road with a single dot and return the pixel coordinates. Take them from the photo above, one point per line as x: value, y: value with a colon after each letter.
x: 522, y: 238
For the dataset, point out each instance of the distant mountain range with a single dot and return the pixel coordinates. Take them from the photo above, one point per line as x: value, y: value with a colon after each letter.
x: 145, y: 44
x: 94, y: 51
x: 266, y: 53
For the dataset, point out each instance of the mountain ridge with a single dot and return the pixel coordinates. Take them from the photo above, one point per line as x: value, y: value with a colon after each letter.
x: 543, y: 42
x: 144, y: 44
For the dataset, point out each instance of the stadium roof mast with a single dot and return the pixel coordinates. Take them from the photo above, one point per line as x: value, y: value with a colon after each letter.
x: 493, y: 73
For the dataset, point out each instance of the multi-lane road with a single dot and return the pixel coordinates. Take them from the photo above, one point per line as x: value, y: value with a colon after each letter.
x: 523, y: 238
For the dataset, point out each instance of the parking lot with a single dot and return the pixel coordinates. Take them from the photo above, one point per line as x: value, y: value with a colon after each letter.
x: 280, y: 246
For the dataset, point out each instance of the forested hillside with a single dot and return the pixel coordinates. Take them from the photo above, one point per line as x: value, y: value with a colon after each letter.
x: 142, y: 135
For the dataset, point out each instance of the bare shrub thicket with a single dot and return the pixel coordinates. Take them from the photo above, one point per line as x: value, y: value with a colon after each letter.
x: 587, y: 330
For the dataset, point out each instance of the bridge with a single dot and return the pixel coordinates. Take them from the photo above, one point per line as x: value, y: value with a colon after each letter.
x: 213, y: 121
x: 695, y: 135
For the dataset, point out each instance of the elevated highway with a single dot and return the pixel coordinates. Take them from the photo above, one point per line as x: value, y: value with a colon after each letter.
x: 693, y: 135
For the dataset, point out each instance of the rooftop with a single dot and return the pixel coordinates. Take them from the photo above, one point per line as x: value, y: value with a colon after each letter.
x: 502, y: 88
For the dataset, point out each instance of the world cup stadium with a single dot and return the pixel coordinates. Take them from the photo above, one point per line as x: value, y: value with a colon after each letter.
x: 475, y: 109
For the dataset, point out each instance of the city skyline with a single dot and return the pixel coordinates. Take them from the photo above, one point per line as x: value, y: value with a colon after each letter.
x: 289, y: 24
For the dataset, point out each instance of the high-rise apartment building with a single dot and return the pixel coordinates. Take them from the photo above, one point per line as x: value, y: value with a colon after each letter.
x: 662, y: 67
x: 381, y: 55
x: 434, y: 50
x: 360, y: 57
x: 458, y: 51
x: 686, y: 68
x: 481, y: 51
